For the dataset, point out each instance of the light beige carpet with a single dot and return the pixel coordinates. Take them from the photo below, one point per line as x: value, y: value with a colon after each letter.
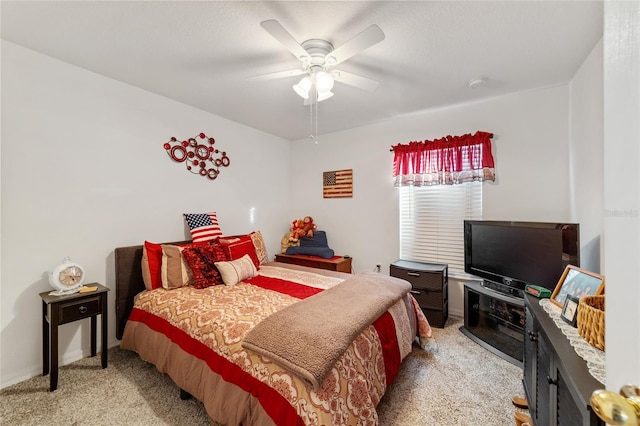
x: 462, y: 384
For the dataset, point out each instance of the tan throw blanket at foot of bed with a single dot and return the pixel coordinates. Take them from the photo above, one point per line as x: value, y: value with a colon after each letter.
x: 310, y: 336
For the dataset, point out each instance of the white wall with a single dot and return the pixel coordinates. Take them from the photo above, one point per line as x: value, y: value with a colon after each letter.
x: 586, y: 151
x: 84, y: 171
x: 622, y: 192
x: 530, y: 146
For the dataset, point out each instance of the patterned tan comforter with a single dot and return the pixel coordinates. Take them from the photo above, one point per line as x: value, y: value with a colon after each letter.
x: 195, y: 336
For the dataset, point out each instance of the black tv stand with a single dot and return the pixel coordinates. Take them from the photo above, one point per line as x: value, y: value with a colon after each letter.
x: 495, y: 321
x: 511, y: 290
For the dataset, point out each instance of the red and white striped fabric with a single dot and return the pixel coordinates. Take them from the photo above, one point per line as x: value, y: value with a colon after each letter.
x: 203, y: 226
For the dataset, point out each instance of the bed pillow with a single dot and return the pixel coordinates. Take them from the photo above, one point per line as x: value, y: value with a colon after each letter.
x: 175, y: 271
x: 201, y: 260
x: 238, y: 246
x: 261, y: 248
x: 237, y: 270
x: 203, y: 226
x: 151, y: 264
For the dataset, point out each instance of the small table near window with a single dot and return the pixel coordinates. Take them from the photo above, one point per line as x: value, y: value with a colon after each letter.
x: 429, y: 282
x: 336, y: 263
x: 58, y: 310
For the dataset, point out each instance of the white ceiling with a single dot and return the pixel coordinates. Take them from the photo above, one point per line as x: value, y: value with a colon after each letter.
x: 200, y: 53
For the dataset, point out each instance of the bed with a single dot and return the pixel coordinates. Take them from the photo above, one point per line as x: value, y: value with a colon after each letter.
x: 274, y: 348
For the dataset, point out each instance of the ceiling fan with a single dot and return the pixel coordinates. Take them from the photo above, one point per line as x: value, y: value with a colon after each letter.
x: 318, y: 57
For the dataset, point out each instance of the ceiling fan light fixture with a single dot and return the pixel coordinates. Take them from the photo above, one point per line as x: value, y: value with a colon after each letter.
x: 323, y: 95
x: 324, y: 81
x: 303, y: 87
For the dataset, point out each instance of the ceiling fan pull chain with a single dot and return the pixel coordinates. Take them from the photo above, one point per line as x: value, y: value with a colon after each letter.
x: 311, y: 122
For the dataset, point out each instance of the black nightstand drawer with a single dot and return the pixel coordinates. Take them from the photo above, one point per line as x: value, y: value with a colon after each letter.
x: 419, y: 279
x: 429, y: 299
x: 437, y: 317
x: 429, y: 286
x: 75, y: 310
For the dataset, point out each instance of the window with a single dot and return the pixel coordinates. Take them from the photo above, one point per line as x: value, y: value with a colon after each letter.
x: 440, y: 184
x: 431, y: 222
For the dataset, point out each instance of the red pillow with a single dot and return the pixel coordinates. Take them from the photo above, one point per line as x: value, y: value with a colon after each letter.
x: 236, y: 247
x: 201, y: 260
x: 152, y: 263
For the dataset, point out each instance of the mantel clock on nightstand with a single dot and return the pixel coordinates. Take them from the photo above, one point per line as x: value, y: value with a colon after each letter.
x: 58, y: 310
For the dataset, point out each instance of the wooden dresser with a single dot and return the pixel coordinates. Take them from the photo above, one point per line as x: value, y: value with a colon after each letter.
x: 339, y: 264
x: 556, y: 380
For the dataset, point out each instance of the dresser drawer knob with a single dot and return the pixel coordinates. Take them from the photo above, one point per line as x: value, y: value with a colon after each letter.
x: 83, y: 309
x: 413, y: 274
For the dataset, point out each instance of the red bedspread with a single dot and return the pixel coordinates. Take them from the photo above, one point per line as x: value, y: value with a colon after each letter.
x: 195, y: 336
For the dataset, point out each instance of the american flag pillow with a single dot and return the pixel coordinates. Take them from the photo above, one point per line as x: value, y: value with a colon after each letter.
x: 203, y: 226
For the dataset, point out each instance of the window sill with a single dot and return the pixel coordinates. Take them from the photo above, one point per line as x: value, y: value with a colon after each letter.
x: 463, y: 276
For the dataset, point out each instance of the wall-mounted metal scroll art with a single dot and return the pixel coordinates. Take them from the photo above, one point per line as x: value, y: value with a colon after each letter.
x: 199, y: 155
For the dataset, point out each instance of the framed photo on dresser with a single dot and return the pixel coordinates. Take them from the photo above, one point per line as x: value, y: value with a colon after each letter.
x: 577, y: 283
x: 570, y: 310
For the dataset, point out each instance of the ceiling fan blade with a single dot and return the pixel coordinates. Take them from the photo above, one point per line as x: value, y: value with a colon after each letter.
x: 357, y: 44
x: 274, y: 75
x: 274, y: 28
x: 355, y: 80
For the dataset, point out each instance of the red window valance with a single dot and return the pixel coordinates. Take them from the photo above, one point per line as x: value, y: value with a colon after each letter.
x: 447, y: 161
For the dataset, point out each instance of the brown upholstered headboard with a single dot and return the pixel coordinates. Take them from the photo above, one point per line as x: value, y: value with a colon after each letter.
x: 128, y: 282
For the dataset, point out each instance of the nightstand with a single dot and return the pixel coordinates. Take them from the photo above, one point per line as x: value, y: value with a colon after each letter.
x: 58, y: 310
x: 429, y: 282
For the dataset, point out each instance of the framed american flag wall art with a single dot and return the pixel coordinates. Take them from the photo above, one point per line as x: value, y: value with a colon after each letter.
x: 337, y: 184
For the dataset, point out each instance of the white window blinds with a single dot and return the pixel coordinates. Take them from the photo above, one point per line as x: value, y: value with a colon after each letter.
x: 431, y: 222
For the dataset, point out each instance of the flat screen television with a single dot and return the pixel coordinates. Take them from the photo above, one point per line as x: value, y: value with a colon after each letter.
x: 514, y: 254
